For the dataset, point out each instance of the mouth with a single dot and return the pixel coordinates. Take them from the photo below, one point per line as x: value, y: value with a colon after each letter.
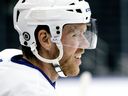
x: 78, y: 59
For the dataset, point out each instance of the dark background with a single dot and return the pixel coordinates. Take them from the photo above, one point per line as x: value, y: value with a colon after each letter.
x: 111, y: 56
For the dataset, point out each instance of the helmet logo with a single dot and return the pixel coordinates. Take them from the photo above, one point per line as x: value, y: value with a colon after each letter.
x: 26, y: 36
x: 88, y: 9
x: 23, y: 1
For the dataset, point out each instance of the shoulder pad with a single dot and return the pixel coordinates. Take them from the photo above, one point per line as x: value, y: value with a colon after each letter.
x: 8, y: 53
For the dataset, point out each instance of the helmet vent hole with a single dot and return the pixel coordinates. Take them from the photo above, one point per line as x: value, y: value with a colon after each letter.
x: 72, y: 4
x: 57, y: 27
x: 23, y: 1
x: 78, y: 10
x: 18, y: 12
x: 70, y: 10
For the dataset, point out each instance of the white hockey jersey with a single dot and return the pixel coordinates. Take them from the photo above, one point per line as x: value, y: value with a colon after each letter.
x: 18, y: 77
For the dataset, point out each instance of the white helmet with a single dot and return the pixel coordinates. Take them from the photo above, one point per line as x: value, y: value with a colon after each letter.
x: 28, y: 14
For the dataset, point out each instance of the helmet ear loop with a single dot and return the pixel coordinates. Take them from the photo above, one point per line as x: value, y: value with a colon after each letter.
x: 55, y: 62
x: 34, y: 50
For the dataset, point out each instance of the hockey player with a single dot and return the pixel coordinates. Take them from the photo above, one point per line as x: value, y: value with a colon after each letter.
x: 53, y: 35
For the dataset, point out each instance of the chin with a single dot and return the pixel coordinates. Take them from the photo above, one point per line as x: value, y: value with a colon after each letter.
x: 73, y: 73
x: 70, y: 68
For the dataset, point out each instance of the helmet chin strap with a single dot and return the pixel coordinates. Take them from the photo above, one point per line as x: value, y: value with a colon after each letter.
x: 55, y: 62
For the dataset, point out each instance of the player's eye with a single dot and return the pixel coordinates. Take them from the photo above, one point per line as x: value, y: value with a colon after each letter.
x: 74, y: 35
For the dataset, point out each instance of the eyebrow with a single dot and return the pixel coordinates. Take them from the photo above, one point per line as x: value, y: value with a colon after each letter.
x: 70, y: 28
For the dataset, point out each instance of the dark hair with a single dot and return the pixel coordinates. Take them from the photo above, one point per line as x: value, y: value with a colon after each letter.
x: 26, y: 50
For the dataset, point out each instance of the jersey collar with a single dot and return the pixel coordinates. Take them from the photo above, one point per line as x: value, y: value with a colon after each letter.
x: 19, y: 60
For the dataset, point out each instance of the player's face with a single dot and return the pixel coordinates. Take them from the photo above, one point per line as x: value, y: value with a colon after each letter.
x: 73, y: 48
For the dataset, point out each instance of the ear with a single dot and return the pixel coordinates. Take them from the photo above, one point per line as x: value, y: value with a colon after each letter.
x: 44, y: 39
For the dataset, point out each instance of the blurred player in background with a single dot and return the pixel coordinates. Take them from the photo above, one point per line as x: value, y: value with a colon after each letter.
x: 53, y: 35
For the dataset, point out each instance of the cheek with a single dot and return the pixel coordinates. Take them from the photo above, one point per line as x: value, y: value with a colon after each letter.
x: 54, y: 52
x: 68, y: 53
x: 68, y: 63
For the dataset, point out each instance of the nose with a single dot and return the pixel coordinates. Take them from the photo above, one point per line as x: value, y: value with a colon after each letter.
x: 84, y: 43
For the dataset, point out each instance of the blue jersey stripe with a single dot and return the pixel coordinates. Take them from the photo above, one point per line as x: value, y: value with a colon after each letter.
x: 1, y: 60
